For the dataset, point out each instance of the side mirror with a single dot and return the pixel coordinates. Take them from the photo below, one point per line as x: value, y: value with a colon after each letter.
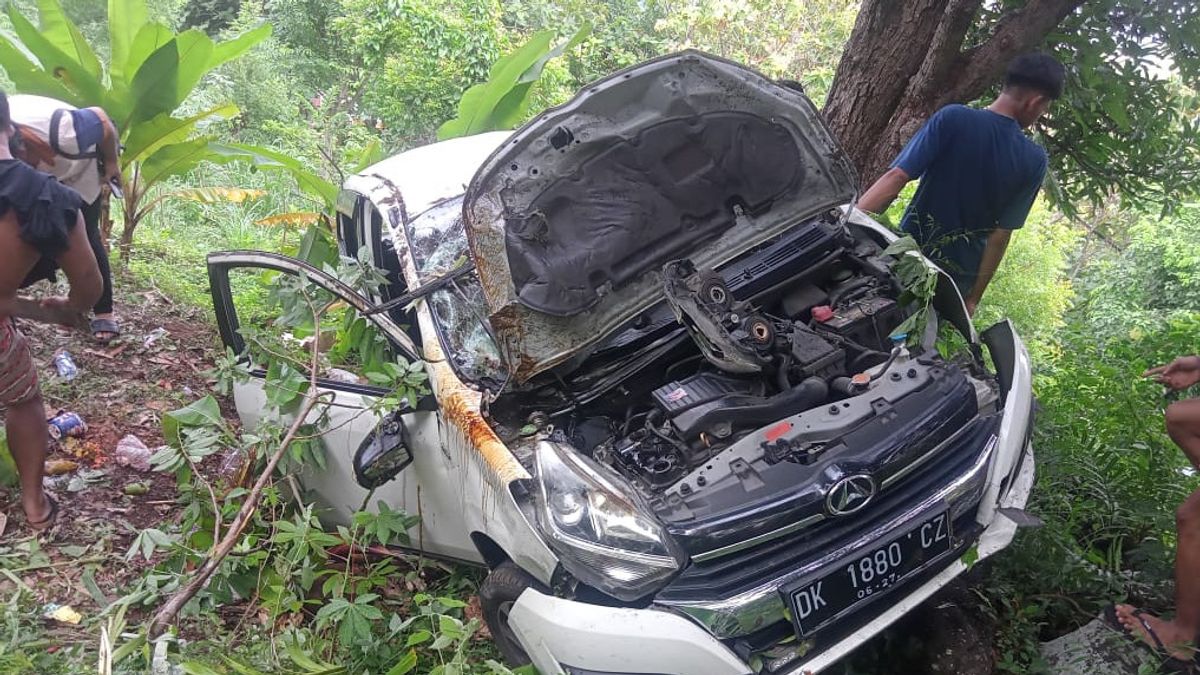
x: 383, y: 454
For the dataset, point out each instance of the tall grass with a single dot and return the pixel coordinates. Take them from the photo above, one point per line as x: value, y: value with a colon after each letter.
x: 173, y: 242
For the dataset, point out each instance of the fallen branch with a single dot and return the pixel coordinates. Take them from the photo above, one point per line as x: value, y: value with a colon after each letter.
x: 167, y: 613
x: 165, y: 616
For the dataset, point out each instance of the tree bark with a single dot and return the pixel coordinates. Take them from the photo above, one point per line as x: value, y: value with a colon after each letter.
x: 904, y: 60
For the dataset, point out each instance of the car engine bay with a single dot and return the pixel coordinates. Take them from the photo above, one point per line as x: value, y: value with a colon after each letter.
x: 706, y: 368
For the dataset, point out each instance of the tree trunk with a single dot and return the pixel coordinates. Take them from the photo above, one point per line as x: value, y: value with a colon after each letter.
x: 904, y: 60
x: 106, y: 222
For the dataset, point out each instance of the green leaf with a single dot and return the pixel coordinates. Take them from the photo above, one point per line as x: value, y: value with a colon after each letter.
x: 144, y: 139
x: 371, y: 153
x: 1114, y: 107
x: 241, y: 668
x: 511, y: 109
x: 148, y: 39
x: 28, y: 77
x: 197, y: 668
x: 476, y: 108
x: 971, y: 557
x: 284, y: 384
x: 265, y: 158
x: 228, y: 50
x: 204, y: 412
x: 125, y: 19
x: 405, y: 664
x: 62, y: 33
x: 419, y: 637
x: 153, y: 86
x: 195, y: 57
x: 450, y: 626
x: 298, y: 657
x: 169, y: 75
x: 74, y: 76
x: 173, y: 160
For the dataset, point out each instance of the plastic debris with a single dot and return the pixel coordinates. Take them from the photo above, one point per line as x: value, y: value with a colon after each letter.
x: 66, y: 424
x: 62, y: 614
x: 85, y: 478
x: 57, y: 467
x: 154, y: 336
x: 339, y: 375
x: 132, y: 452
x: 65, y: 365
x: 136, y: 489
x: 232, y: 462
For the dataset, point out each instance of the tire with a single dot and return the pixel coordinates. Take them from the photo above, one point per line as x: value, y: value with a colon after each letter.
x: 497, y: 594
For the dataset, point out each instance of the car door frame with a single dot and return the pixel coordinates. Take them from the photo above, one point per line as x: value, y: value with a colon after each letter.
x: 450, y: 540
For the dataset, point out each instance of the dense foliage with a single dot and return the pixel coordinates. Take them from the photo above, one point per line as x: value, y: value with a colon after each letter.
x: 1125, y: 116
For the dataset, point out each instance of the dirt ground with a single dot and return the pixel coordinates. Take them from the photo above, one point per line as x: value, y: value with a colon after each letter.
x: 123, y: 388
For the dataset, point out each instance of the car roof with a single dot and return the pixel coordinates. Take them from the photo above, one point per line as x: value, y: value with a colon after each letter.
x: 424, y: 176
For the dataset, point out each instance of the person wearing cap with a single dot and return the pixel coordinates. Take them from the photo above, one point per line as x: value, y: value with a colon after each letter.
x: 39, y: 219
x: 80, y: 147
x: 980, y: 175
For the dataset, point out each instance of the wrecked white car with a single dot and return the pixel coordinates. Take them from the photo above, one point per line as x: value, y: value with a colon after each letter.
x: 669, y: 409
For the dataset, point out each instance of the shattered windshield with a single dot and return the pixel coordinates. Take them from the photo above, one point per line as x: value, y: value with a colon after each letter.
x: 438, y: 245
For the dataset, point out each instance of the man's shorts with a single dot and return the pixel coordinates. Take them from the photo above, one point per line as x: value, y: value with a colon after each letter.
x: 18, y: 376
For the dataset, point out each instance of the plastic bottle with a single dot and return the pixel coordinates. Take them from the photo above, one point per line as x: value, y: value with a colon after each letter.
x: 65, y: 365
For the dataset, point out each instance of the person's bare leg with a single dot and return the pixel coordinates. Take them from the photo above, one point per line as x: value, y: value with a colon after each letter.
x: 25, y: 425
x: 1180, y: 633
x: 1183, y: 425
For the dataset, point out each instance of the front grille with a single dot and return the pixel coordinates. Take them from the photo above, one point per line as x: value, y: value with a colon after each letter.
x: 745, y: 570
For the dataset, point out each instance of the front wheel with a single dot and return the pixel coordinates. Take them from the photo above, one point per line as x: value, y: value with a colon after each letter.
x: 497, y: 595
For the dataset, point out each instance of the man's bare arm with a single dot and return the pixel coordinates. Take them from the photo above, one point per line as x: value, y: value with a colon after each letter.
x: 880, y: 195
x: 110, y: 145
x: 993, y: 253
x: 79, y: 264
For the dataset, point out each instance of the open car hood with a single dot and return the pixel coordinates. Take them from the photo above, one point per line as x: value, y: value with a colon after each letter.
x: 685, y: 156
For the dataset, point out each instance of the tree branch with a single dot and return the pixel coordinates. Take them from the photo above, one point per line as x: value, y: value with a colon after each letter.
x: 167, y: 613
x: 1017, y: 32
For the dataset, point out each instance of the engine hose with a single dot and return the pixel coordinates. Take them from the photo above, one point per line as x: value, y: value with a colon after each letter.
x: 781, y: 375
x: 652, y: 426
x: 761, y: 411
x: 887, y: 364
x: 836, y: 297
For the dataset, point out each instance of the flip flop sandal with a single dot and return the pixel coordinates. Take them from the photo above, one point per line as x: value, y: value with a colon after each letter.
x: 1171, y: 664
x: 45, y: 523
x: 105, y: 326
x: 1111, y: 620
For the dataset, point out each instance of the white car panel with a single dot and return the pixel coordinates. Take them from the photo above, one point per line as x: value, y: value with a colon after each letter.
x: 558, y: 632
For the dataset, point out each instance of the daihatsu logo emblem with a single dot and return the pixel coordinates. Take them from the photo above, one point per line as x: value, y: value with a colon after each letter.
x: 850, y: 494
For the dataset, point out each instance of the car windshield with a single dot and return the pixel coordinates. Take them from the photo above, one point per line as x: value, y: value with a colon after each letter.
x: 438, y: 245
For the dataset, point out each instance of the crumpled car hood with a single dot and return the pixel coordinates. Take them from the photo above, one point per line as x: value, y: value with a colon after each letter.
x: 688, y: 155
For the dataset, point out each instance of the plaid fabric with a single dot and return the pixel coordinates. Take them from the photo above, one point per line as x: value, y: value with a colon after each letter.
x: 18, y: 376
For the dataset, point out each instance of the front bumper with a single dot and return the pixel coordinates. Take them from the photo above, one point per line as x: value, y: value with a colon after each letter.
x: 565, y: 636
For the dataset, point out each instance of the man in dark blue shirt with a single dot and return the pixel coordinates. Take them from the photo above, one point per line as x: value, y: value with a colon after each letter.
x: 979, y: 176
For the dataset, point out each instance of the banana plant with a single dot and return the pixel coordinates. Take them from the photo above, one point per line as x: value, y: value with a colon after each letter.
x: 151, y: 72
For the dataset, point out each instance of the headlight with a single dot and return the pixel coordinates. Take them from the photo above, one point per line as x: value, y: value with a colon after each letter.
x: 603, y: 537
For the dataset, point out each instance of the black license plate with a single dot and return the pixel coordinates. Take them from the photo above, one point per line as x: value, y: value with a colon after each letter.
x: 856, y: 580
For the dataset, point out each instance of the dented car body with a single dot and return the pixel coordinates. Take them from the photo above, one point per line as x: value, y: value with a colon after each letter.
x: 670, y: 410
